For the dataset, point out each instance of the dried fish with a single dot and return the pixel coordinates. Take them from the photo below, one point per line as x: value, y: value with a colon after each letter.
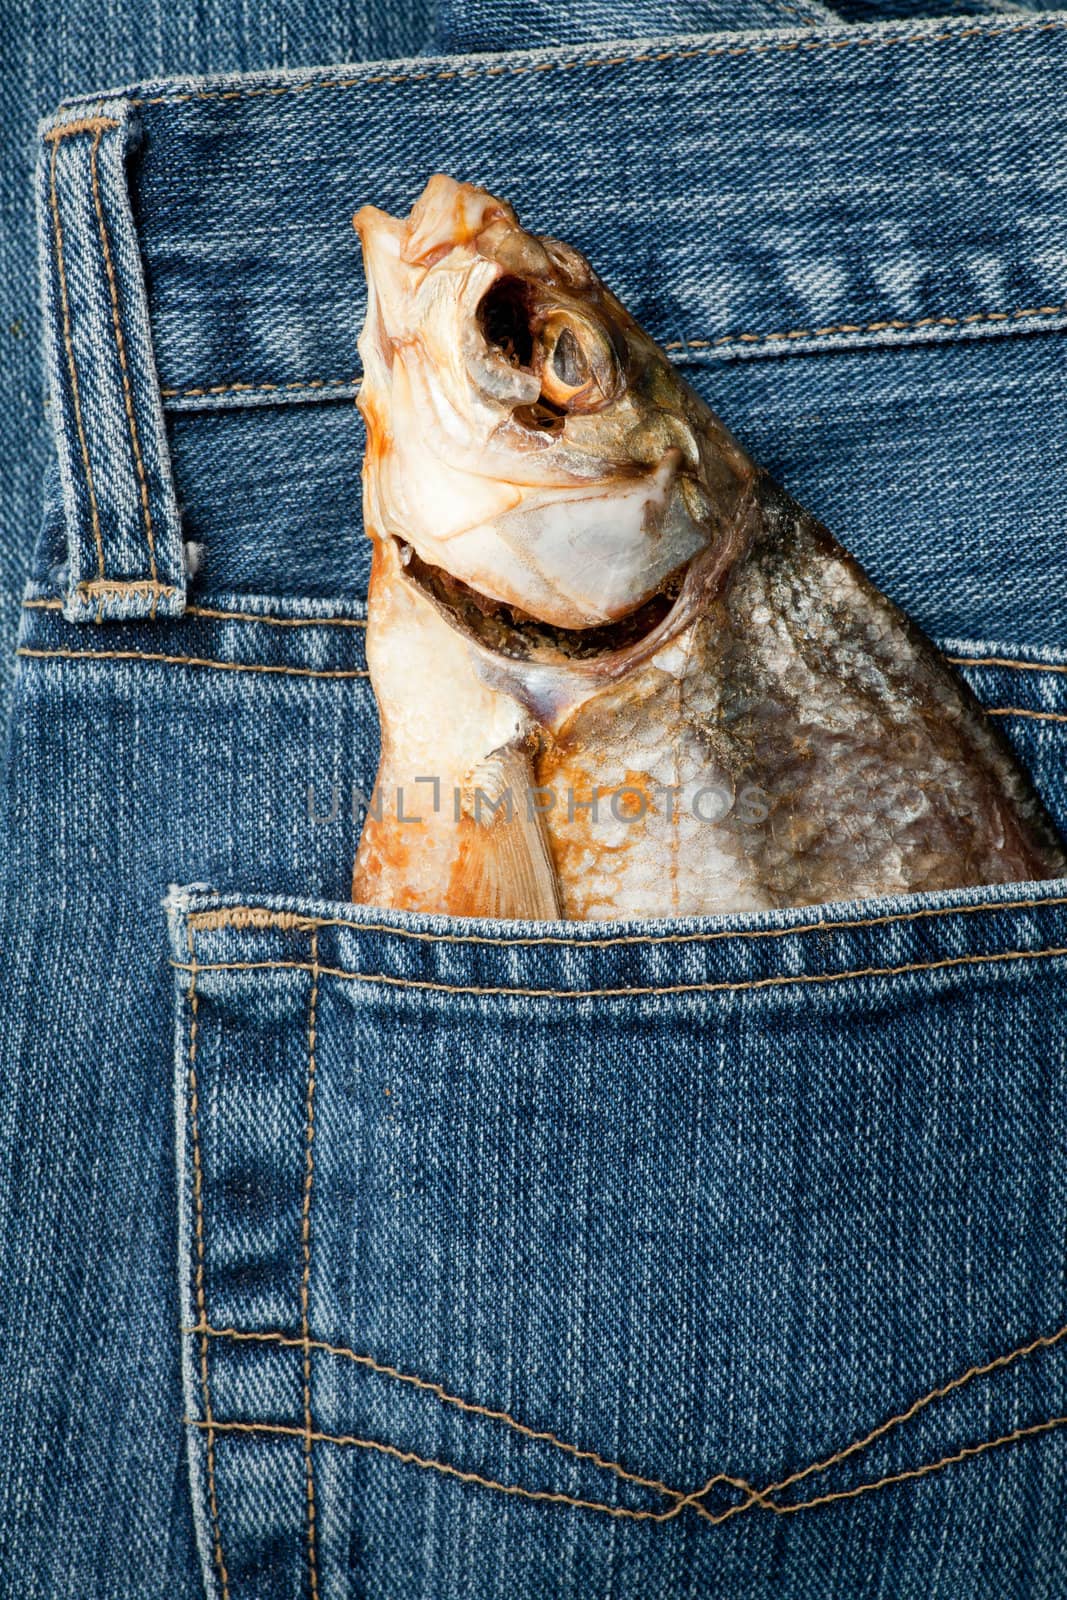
x: 619, y: 671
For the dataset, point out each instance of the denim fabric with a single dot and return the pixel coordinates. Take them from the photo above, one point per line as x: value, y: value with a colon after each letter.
x: 476, y: 25
x: 344, y: 1252
x: 48, y: 51
x: 498, y: 1246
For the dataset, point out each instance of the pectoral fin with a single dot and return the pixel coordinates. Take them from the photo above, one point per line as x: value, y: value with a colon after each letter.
x: 503, y: 868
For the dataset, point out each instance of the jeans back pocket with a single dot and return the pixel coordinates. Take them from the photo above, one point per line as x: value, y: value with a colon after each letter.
x: 636, y: 1261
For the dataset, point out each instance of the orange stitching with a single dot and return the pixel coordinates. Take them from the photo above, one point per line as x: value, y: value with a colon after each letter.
x: 202, y: 390
x: 1004, y: 661
x: 1042, y: 1342
x: 807, y: 45
x: 833, y: 331
x: 212, y: 611
x: 637, y: 990
x: 360, y: 622
x: 85, y: 125
x: 117, y: 588
x: 964, y: 1454
x: 1017, y: 711
x: 305, y: 1282
x: 126, y: 386
x: 71, y: 364
x: 280, y: 622
x: 1046, y: 1341
x: 410, y: 1458
x: 261, y: 917
x: 539, y: 1435
x: 193, y: 661
x: 257, y: 917
x: 881, y: 326
x: 198, y: 1197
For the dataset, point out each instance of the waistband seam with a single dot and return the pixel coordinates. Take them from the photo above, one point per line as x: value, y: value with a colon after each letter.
x: 207, y: 391
x: 804, y: 44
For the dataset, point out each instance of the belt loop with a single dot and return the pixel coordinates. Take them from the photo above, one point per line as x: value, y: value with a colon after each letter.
x: 125, y: 556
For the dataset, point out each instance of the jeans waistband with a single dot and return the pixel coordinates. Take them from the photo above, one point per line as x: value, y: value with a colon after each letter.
x: 746, y: 195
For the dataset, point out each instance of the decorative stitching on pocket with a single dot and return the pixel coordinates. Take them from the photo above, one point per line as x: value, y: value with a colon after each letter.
x: 981, y: 1370
x: 305, y: 1281
x: 198, y: 1202
x: 700, y: 54
x: 68, y: 340
x: 638, y: 990
x: 965, y: 1454
x: 192, y: 661
x: 263, y: 917
x: 542, y: 1436
x: 127, y: 390
x: 1043, y: 1342
x: 410, y: 1458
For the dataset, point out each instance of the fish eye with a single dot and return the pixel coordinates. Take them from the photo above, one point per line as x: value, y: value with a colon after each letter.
x: 578, y: 367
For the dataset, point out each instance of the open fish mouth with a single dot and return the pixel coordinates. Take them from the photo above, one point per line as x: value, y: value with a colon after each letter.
x: 508, y: 631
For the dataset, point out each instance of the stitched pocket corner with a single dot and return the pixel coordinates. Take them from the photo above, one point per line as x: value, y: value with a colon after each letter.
x: 697, y: 1228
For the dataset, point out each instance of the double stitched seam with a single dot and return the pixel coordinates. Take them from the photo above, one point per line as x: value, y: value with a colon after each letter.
x: 884, y: 325
x: 637, y: 990
x: 201, y: 1305
x: 45, y: 604
x: 702, y: 53
x: 441, y: 1393
x: 754, y: 1496
x: 192, y: 661
x: 305, y: 1281
x: 104, y: 588
x: 282, y: 622
x: 127, y: 388
x: 1042, y: 1342
x: 232, y: 616
x: 262, y: 917
x: 626, y: 1513
x: 68, y: 340
x: 201, y: 391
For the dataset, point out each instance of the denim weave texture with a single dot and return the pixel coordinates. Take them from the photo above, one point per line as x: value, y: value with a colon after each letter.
x: 352, y: 1253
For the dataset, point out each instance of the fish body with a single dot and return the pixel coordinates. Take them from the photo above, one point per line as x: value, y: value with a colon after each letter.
x: 619, y: 671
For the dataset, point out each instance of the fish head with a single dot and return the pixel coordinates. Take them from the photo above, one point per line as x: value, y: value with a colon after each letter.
x: 532, y: 455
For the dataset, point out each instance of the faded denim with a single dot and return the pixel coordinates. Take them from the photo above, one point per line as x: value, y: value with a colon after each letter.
x: 352, y: 1253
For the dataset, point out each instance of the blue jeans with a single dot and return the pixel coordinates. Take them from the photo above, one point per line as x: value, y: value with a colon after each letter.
x: 350, y: 1253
